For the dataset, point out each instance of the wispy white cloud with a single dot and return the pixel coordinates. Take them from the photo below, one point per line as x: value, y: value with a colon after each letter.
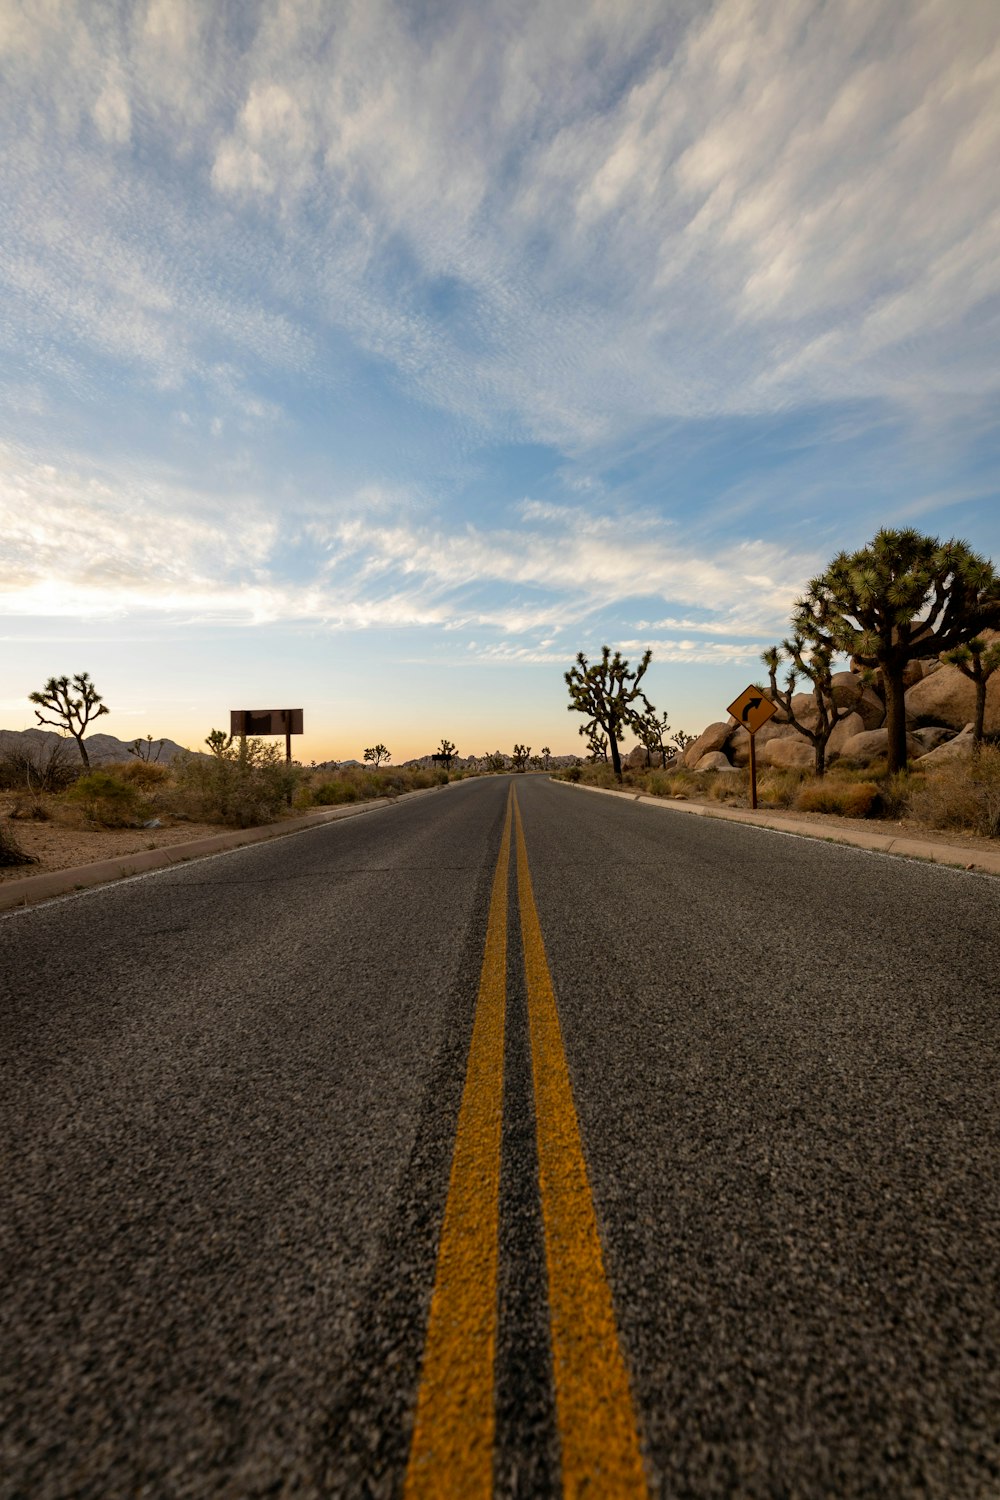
x: 628, y: 212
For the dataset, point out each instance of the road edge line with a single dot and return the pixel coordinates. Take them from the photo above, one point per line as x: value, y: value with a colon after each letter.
x: 951, y: 856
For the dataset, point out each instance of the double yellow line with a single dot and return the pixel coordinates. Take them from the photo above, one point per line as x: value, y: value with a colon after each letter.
x: 452, y: 1449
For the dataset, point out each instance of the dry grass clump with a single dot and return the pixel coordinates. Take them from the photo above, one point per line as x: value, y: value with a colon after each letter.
x: 779, y: 788
x: 849, y: 799
x: 961, y: 794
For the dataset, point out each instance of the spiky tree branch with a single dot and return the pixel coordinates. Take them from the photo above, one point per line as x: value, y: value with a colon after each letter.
x: 978, y: 662
x: 812, y: 660
x: 72, y: 714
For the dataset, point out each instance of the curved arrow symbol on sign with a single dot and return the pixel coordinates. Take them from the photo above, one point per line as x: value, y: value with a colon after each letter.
x: 751, y: 703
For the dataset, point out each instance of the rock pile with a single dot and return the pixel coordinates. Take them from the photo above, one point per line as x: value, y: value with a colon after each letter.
x: 940, y: 709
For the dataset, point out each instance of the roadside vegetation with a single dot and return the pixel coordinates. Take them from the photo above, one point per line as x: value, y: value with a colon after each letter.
x: 235, y: 786
x: 957, y: 795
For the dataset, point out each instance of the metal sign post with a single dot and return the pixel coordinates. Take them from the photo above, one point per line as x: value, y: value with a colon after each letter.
x: 261, y: 721
x: 752, y: 709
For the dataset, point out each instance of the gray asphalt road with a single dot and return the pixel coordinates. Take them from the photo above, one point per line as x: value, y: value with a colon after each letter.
x: 230, y: 1101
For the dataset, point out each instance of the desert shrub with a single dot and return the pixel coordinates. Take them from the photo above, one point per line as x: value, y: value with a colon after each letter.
x: 779, y: 788
x: 728, y: 786
x: 31, y: 807
x: 106, y: 799
x: 331, y: 793
x: 894, y: 795
x: 673, y: 783
x: 39, y: 768
x: 240, y: 785
x: 11, y: 852
x: 571, y: 773
x: 961, y: 794
x: 851, y: 799
x: 146, y: 775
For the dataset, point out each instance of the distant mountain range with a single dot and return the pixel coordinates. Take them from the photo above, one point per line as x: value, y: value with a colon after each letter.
x: 102, y: 748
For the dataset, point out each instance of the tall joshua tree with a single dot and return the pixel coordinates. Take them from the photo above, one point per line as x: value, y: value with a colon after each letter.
x: 977, y: 661
x: 903, y: 596
x: 74, y: 701
x: 814, y: 662
x: 376, y: 754
x: 606, y: 691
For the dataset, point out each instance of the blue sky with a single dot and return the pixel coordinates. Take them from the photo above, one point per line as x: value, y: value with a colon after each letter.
x: 376, y: 358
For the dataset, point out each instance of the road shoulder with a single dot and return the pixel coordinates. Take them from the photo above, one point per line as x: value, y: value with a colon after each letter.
x: 831, y: 830
x: 31, y: 889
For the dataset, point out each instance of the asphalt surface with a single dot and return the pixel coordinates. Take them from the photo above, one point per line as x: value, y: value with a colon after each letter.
x: 229, y: 1106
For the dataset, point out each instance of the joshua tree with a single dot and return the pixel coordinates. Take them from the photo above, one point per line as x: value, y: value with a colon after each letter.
x: 597, y: 745
x: 447, y: 752
x: 495, y: 760
x: 520, y: 756
x: 903, y: 596
x: 218, y: 741
x: 651, y: 731
x: 377, y: 754
x: 546, y: 752
x: 682, y: 740
x: 143, y: 749
x: 813, y: 661
x: 977, y: 661
x: 72, y: 714
x: 606, y: 692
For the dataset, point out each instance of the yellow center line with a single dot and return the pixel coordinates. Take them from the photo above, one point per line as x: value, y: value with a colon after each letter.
x: 597, y: 1426
x: 452, y: 1449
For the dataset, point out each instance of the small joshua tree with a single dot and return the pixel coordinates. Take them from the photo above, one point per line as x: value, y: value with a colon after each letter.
x: 811, y: 660
x: 546, y: 752
x: 447, y: 752
x: 520, y: 756
x: 977, y: 661
x: 597, y: 745
x: 72, y: 713
x: 682, y: 739
x: 376, y: 754
x: 143, y: 749
x: 651, y: 731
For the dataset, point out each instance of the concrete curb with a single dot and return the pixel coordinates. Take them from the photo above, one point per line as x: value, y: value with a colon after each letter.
x: 34, y: 888
x: 983, y: 861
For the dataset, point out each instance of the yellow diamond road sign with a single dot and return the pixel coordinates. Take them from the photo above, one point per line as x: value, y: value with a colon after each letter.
x: 752, y: 709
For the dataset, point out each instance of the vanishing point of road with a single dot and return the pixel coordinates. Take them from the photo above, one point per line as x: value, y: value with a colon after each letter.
x: 509, y: 1140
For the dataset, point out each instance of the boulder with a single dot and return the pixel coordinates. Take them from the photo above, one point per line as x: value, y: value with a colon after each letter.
x: 843, y: 731
x: 712, y: 738
x: 846, y: 687
x: 959, y: 747
x: 636, y: 759
x: 871, y: 708
x: 863, y: 748
x: 774, y: 729
x: 932, y: 735
x: 948, y: 697
x: 785, y: 754
x: 714, y: 760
